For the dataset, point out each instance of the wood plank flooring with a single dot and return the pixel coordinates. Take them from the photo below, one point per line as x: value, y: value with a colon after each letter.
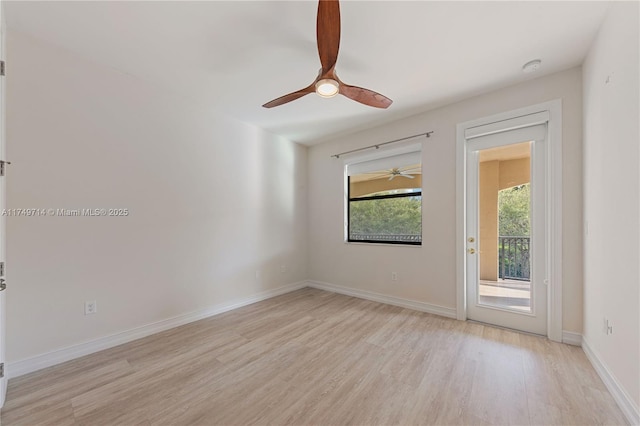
x: 313, y: 357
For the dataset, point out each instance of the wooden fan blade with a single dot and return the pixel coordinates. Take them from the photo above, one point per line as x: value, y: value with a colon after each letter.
x: 328, y: 33
x: 289, y: 97
x: 365, y: 96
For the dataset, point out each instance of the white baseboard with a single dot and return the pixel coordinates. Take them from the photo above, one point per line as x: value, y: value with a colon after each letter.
x: 383, y: 298
x: 624, y: 401
x: 19, y: 368
x: 571, y: 338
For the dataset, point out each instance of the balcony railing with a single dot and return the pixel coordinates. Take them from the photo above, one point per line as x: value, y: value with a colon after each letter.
x: 514, y: 261
x: 408, y: 238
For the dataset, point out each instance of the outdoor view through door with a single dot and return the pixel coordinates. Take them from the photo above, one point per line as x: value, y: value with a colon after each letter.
x: 504, y: 195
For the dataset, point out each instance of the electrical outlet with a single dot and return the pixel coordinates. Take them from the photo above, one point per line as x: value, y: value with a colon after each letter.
x: 607, y: 327
x: 283, y: 268
x: 90, y: 307
x: 394, y: 276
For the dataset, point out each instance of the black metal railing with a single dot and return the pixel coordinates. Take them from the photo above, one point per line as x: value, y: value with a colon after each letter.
x: 386, y: 237
x: 514, y: 259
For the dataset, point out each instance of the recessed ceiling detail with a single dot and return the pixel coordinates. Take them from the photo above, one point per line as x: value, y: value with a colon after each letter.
x: 532, y: 66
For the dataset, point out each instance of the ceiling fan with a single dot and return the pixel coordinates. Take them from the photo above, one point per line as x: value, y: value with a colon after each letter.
x: 327, y: 84
x: 395, y: 172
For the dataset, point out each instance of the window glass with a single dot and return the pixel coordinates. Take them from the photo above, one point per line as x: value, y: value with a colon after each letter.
x: 385, y: 205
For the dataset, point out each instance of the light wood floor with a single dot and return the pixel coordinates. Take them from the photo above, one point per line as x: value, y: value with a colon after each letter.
x: 312, y: 357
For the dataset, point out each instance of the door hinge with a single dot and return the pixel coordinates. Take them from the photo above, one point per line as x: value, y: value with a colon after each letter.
x: 2, y: 370
x: 2, y: 68
x: 2, y: 164
x: 1, y: 269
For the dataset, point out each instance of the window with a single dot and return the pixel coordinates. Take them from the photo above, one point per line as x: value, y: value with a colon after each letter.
x: 385, y: 200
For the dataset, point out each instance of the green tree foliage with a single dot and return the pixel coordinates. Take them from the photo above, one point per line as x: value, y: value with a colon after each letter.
x: 513, y: 207
x: 389, y: 216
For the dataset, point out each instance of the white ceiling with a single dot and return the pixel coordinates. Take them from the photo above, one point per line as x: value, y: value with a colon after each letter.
x: 234, y: 56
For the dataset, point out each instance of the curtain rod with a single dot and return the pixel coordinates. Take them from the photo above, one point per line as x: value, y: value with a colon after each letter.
x: 378, y: 145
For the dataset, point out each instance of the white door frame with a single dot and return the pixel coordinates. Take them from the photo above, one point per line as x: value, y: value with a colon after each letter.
x: 3, y: 235
x: 554, y: 212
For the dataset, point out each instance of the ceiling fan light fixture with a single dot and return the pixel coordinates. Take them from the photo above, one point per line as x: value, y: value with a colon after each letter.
x: 327, y: 84
x: 327, y: 88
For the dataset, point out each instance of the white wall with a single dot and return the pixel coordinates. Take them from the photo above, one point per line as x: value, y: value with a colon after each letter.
x: 611, y: 197
x: 212, y: 200
x: 428, y: 273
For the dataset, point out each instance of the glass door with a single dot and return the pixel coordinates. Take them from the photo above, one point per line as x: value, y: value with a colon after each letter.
x: 506, y: 229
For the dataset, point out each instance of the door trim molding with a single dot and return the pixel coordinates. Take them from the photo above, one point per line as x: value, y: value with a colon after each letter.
x: 554, y: 214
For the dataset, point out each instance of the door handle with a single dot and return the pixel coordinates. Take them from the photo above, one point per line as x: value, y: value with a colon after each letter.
x: 471, y: 251
x: 3, y: 284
